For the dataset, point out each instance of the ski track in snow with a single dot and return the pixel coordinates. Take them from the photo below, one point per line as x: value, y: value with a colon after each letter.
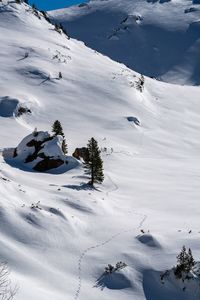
x: 115, y: 186
x: 85, y: 252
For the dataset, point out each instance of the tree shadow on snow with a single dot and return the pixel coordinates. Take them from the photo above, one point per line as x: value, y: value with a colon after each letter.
x: 82, y: 186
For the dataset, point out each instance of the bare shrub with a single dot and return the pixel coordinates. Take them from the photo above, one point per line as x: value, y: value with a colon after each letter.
x: 7, y: 290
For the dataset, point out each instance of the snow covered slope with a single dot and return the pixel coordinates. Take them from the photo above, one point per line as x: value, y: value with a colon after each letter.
x: 55, y: 233
x: 156, y: 38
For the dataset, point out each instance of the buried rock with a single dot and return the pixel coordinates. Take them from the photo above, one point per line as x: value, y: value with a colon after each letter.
x: 115, y: 277
x: 148, y: 240
x: 134, y: 120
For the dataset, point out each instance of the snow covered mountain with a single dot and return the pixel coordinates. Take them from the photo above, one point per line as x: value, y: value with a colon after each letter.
x: 157, y: 38
x: 56, y: 234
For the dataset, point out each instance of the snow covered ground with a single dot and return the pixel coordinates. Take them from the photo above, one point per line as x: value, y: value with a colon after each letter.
x: 56, y: 234
x: 156, y: 38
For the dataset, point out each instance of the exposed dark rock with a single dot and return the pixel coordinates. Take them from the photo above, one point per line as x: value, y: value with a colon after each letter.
x: 81, y: 153
x: 22, y: 110
x: 48, y: 164
x: 38, y: 145
x: 15, y: 152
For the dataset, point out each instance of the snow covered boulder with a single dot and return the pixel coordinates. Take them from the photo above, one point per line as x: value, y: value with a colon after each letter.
x: 41, y: 151
x: 115, y: 277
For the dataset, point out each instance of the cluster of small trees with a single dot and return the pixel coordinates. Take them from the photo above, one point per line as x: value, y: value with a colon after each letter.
x: 111, y: 269
x: 185, y: 262
x: 94, y: 164
x: 140, y: 83
x: 58, y: 27
x: 26, y: 1
x: 185, y: 267
x: 20, y: 1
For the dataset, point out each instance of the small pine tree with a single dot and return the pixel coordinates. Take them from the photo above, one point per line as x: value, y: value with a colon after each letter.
x: 94, y: 165
x: 182, y: 257
x: 34, y: 6
x: 58, y: 130
x: 60, y: 75
x: 35, y: 132
x: 140, y: 83
x: 58, y: 28
x: 63, y: 30
x: 45, y: 15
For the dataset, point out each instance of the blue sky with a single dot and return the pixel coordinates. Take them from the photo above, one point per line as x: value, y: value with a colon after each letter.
x: 54, y: 4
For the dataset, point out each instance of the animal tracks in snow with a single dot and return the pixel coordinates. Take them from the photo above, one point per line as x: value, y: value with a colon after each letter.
x: 84, y: 253
x: 103, y: 243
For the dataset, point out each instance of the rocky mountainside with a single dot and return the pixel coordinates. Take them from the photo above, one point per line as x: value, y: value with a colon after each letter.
x: 157, y: 38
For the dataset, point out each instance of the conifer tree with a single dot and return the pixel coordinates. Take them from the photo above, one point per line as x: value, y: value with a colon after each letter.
x: 60, y: 75
x: 94, y: 165
x: 58, y: 130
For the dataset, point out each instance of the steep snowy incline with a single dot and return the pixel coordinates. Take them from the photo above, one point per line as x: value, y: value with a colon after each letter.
x: 157, y: 38
x: 56, y: 234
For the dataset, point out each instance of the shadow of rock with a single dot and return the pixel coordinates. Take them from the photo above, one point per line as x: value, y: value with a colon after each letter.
x: 148, y: 240
x: 8, y: 106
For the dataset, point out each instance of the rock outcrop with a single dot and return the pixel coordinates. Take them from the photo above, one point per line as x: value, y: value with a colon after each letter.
x: 41, y: 151
x: 81, y: 153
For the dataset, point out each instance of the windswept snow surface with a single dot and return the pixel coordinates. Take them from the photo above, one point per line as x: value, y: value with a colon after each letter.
x: 58, y: 247
x: 159, y: 38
